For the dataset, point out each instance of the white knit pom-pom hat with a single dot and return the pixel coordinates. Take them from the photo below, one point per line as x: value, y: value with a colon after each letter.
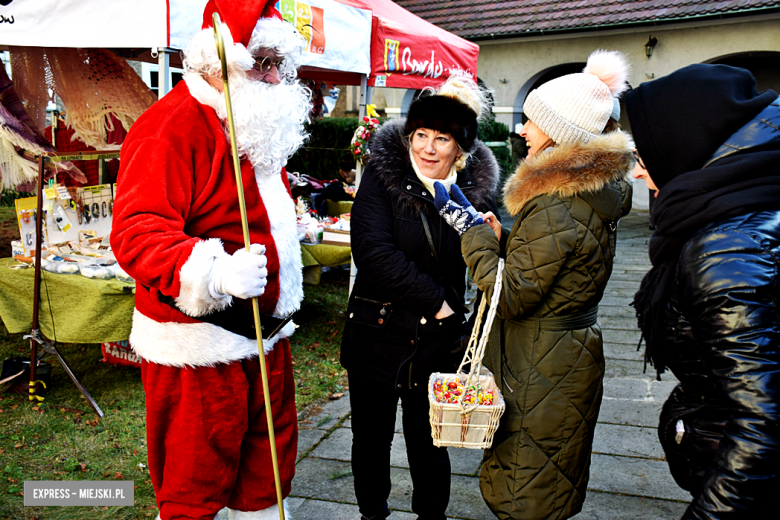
x: 576, y: 107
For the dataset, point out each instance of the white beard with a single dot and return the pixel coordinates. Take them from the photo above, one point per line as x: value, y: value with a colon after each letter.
x: 268, y: 119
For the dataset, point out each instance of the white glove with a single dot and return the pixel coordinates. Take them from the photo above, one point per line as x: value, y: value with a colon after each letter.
x: 242, y: 275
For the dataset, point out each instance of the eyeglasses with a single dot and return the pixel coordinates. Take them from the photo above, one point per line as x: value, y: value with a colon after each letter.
x: 638, y: 160
x: 264, y: 65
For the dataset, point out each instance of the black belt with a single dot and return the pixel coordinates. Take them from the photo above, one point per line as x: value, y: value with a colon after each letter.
x: 236, y: 319
x: 579, y: 320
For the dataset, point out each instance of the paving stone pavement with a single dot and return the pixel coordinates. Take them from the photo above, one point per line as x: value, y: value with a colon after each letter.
x: 629, y: 475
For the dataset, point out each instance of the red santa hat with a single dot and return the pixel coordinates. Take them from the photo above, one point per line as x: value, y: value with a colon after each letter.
x: 240, y: 16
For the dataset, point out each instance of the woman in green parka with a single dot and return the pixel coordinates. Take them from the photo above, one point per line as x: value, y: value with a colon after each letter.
x: 545, y: 347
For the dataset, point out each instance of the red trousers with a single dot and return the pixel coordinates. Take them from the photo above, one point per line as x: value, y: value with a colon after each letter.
x: 208, y: 435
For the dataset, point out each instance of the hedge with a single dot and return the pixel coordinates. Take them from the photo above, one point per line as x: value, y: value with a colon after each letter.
x: 326, y: 147
x: 329, y: 140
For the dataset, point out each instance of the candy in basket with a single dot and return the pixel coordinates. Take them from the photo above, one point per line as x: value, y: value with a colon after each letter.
x: 465, y: 407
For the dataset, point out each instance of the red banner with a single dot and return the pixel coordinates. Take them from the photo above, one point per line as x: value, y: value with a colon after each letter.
x: 408, y: 52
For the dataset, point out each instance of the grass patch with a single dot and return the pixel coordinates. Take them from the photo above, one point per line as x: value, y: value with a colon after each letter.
x: 55, y: 441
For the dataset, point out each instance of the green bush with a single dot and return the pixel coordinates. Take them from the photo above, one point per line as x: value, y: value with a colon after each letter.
x: 7, y: 197
x: 326, y: 147
x: 329, y: 140
x: 491, y: 131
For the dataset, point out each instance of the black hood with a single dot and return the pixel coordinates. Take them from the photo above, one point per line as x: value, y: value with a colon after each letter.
x: 679, y: 121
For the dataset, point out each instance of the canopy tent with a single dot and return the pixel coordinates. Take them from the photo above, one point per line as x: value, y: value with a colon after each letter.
x: 338, y: 33
x: 346, y: 39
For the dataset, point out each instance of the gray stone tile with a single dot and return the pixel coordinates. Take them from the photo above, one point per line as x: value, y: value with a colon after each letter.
x: 634, y: 413
x: 466, y: 500
x: 617, y: 283
x: 629, y: 337
x: 330, y: 414
x: 624, y: 368
x: 617, y: 311
x: 627, y: 276
x: 603, y: 506
x: 322, y: 479
x: 627, y: 388
x: 661, y: 389
x: 338, y: 446
x: 308, y: 438
x: 626, y: 351
x: 613, y: 323
x: 631, y: 441
x: 622, y: 301
x: 622, y: 292
x: 632, y: 476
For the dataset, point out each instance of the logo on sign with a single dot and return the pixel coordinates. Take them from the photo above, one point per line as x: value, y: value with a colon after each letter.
x: 308, y: 20
x: 391, y: 55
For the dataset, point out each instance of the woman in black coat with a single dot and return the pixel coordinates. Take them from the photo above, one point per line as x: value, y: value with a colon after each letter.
x: 708, y: 309
x: 406, y: 308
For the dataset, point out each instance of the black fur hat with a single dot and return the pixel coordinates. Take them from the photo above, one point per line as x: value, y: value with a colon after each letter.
x: 446, y: 115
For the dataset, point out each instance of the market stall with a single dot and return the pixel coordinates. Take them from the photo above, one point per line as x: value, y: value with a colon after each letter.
x: 371, y: 43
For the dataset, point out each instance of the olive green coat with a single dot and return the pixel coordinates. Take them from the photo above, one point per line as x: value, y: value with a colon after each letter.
x: 558, y: 259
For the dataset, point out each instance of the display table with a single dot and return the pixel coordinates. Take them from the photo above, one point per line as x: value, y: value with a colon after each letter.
x: 85, y: 310
x: 88, y: 310
x: 317, y: 256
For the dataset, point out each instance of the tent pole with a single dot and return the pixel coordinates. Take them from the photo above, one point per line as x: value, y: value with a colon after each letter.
x: 364, y: 89
x: 37, y: 243
x: 163, y: 72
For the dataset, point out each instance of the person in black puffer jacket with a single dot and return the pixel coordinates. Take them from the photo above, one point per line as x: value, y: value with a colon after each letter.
x: 708, y: 308
x: 406, y: 307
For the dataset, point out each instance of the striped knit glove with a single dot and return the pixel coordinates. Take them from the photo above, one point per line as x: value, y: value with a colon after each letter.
x: 457, y: 211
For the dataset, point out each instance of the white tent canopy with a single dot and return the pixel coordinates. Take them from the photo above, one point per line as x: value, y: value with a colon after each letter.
x: 157, y: 24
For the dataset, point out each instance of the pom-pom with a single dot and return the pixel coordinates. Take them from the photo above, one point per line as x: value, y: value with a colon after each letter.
x: 611, y: 67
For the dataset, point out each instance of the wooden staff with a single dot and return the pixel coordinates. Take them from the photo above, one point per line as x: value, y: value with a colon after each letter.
x: 245, y: 226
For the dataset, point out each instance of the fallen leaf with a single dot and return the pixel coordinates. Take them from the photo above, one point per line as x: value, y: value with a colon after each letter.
x: 118, y: 475
x: 334, y: 333
x: 36, y: 408
x: 19, y: 446
x: 83, y: 466
x: 116, y: 446
x: 335, y: 396
x: 297, y: 371
x: 331, y: 323
x: 135, y: 452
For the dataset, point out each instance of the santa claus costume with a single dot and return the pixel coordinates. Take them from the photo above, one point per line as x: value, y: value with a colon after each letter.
x: 176, y: 227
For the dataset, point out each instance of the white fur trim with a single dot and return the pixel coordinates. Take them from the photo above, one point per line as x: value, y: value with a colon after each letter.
x: 204, y: 93
x: 194, y: 298
x: 193, y: 344
x: 269, y: 513
x: 281, y: 213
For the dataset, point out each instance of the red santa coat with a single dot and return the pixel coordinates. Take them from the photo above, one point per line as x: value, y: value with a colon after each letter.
x: 176, y: 211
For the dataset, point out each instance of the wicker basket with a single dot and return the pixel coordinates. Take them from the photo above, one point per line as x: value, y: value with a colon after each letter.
x: 463, y: 425
x: 474, y: 429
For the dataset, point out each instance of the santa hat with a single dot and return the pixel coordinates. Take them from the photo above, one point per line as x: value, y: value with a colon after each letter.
x: 576, y: 107
x: 240, y: 16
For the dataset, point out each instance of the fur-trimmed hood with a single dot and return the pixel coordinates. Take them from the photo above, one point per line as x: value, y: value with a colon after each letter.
x: 582, y: 169
x: 391, y: 163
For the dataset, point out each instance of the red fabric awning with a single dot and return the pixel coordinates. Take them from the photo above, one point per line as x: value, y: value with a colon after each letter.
x: 406, y: 51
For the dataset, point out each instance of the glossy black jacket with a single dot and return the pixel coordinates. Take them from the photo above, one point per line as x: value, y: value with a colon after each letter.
x: 390, y: 333
x: 723, y: 324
